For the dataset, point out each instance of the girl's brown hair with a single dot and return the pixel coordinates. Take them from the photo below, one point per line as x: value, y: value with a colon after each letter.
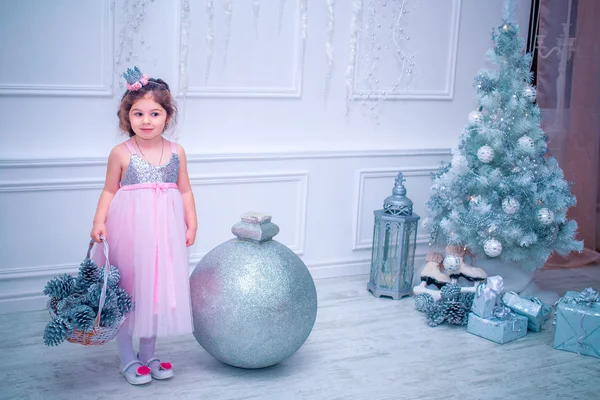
x: 160, y: 92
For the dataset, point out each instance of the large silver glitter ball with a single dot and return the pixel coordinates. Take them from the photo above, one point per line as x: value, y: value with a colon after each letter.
x: 254, y: 302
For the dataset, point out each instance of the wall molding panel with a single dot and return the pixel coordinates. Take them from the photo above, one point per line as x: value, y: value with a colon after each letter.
x: 104, y: 89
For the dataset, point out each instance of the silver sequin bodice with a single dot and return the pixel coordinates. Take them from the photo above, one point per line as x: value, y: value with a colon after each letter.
x: 140, y: 171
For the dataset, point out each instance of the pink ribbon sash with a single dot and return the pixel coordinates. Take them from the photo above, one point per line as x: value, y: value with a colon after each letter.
x: 158, y: 187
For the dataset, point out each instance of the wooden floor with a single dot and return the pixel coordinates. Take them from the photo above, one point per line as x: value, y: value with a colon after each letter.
x: 361, y: 348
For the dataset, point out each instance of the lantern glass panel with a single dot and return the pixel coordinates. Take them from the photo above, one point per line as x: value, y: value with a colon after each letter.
x: 375, y: 252
x: 410, y: 242
x: 390, y: 257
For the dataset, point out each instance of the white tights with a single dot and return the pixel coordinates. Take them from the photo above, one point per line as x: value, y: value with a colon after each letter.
x: 125, y: 344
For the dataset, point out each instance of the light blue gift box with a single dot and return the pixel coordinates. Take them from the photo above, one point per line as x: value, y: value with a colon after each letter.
x: 578, y: 323
x: 499, y: 330
x: 486, y: 297
x: 536, y: 312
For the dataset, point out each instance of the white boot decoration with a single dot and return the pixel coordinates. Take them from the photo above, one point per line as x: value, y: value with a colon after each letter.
x: 432, y: 274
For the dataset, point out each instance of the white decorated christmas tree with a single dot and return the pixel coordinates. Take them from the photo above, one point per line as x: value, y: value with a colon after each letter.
x: 502, y: 196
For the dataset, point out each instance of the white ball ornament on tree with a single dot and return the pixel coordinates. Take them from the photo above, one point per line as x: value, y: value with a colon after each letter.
x: 510, y: 205
x: 451, y: 263
x: 529, y: 93
x: 545, y: 216
x: 492, y: 248
x: 525, y: 144
x: 475, y: 118
x: 485, y: 154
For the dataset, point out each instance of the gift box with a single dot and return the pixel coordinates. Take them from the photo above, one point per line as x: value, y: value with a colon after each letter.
x: 504, y: 326
x: 486, y: 296
x: 577, y: 327
x: 537, y: 324
x: 531, y: 307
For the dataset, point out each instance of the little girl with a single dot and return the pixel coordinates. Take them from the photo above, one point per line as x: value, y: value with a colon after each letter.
x: 146, y: 212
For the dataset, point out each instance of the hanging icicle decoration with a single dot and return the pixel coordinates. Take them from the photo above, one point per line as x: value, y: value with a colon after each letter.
x: 256, y: 8
x: 210, y: 37
x: 131, y: 39
x: 303, y: 28
x: 376, y: 47
x: 357, y: 7
x: 280, y: 19
x: 329, y: 46
x: 184, y: 35
x: 406, y: 60
x: 228, y: 8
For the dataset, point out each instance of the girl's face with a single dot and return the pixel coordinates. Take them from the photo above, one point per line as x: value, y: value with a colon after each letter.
x: 148, y: 118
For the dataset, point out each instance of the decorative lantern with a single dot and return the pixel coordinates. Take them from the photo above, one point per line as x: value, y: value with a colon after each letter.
x: 394, y: 243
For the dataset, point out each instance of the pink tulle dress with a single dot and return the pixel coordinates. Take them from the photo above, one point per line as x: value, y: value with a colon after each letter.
x: 146, y: 237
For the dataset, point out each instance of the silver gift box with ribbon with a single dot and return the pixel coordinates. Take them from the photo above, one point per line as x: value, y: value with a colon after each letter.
x: 486, y: 296
x: 531, y: 307
x: 577, y: 327
x: 503, y: 326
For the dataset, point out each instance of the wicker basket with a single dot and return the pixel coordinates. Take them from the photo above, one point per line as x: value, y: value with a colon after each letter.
x: 100, y: 334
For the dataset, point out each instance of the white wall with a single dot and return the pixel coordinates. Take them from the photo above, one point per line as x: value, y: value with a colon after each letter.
x: 260, y: 134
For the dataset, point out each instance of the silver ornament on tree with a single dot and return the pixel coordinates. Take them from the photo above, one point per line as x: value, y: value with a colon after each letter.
x: 529, y: 93
x: 254, y: 302
x: 475, y: 118
x: 525, y: 144
x: 545, y: 216
x: 451, y: 264
x: 492, y: 248
x: 510, y: 205
x: 485, y: 154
